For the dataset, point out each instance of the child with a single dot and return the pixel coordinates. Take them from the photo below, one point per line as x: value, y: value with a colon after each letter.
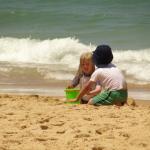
x: 109, y: 77
x: 86, y: 68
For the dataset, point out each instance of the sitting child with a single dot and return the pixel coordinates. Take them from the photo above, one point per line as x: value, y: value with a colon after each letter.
x: 110, y: 78
x: 85, y: 70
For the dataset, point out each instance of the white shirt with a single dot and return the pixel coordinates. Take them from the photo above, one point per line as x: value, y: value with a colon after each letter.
x: 109, y: 77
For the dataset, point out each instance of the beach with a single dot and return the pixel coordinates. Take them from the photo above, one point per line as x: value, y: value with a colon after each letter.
x: 40, y: 47
x: 34, y: 122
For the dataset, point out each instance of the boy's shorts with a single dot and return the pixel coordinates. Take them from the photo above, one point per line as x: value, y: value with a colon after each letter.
x: 110, y: 97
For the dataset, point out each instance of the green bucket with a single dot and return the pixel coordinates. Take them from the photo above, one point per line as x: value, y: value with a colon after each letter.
x: 72, y: 94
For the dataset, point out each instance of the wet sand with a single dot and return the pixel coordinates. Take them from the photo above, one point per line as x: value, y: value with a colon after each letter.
x: 56, y: 88
x: 33, y: 122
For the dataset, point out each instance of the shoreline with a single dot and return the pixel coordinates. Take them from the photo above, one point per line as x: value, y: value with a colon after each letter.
x: 56, y: 88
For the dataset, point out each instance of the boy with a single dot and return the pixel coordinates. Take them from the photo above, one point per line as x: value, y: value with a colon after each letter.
x: 109, y: 77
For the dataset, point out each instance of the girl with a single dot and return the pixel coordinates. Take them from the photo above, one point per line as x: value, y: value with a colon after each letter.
x: 85, y: 70
x: 110, y: 78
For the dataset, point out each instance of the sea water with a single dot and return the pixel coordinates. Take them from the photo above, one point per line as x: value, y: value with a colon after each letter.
x: 41, y: 40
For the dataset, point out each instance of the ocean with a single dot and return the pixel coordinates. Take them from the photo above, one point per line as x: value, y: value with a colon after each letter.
x: 41, y: 40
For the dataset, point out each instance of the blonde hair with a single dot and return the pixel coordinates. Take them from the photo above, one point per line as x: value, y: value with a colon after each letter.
x: 87, y: 56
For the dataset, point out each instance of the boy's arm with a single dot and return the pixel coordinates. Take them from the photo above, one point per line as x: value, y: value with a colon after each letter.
x: 84, y: 90
x: 95, y: 91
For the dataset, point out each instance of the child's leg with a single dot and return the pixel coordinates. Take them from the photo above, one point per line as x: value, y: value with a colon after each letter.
x: 110, y: 98
x: 102, y: 99
x: 90, y: 102
x: 85, y: 99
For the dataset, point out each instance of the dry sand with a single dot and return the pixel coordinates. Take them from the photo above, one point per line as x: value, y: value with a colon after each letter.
x: 45, y: 123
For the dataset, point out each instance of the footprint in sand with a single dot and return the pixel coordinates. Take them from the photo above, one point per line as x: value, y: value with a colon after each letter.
x: 36, y: 96
x: 9, y: 113
x: 58, y: 124
x: 23, y: 126
x: 87, y: 118
x: 125, y: 135
x: 102, y: 130
x: 98, y: 131
x: 97, y: 148
x: 44, y: 127
x: 61, y: 131
x: 143, y: 144
x: 82, y: 135
x: 43, y: 120
x: 41, y: 139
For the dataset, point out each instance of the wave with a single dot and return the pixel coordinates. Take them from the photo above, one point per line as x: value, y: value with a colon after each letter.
x: 135, y: 64
x: 46, y: 51
x: 65, y: 53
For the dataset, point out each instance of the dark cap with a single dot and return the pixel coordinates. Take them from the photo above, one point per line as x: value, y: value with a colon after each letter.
x: 102, y: 55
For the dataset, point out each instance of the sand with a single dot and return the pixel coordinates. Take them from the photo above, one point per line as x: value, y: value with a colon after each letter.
x: 33, y: 122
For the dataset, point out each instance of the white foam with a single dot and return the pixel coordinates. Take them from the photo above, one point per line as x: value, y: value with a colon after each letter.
x: 135, y: 63
x: 66, y: 51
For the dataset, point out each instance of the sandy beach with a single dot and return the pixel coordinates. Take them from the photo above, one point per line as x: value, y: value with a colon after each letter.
x: 41, y: 43
x: 33, y: 122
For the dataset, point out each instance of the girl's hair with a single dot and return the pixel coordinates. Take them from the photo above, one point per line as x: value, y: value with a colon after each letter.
x: 87, y: 56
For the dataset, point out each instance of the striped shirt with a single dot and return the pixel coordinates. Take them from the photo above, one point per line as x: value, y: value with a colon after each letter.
x: 109, y: 77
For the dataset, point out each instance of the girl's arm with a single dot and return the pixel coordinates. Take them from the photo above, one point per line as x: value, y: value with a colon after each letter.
x: 85, y: 90
x: 76, y: 79
x: 74, y: 82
